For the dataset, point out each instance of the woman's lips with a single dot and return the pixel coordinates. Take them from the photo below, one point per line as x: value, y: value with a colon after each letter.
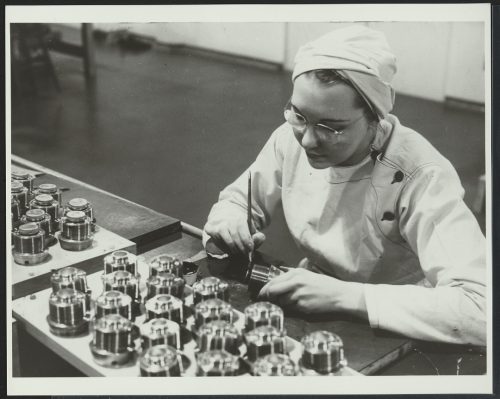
x: 314, y: 156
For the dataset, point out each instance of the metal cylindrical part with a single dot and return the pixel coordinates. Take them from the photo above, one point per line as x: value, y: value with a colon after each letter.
x: 120, y: 260
x: 323, y: 352
x: 50, y: 189
x: 259, y: 276
x: 219, y: 334
x: 50, y: 206
x: 166, y: 306
x: 81, y: 204
x: 21, y: 194
x: 210, y: 287
x: 43, y: 221
x: 29, y: 245
x: 217, y: 363
x: 69, y: 277
x: 15, y: 211
x: 76, y: 233
x: 165, y: 283
x: 263, y: 341
x: 112, y: 344
x: 212, y: 309
x: 113, y: 302
x: 160, y: 361
x: 160, y: 331
x: 263, y: 314
x: 25, y: 178
x: 275, y: 364
x: 165, y: 263
x: 122, y: 281
x: 68, y: 312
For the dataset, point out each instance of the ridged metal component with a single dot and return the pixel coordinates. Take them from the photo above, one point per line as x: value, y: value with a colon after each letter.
x: 21, y: 194
x: 24, y: 178
x: 43, y: 221
x: 210, y: 287
x: 217, y: 363
x: 68, y: 312
x: 165, y: 283
x: 112, y: 344
x: 69, y: 277
x: 165, y: 263
x: 219, y: 334
x: 76, y: 233
x: 323, y: 352
x: 166, y: 306
x: 113, y: 302
x: 160, y: 331
x: 81, y: 204
x: 211, y: 310
x: 51, y: 189
x: 15, y: 211
x: 263, y: 314
x: 160, y: 361
x: 275, y: 364
x: 48, y: 205
x: 29, y: 245
x: 120, y: 260
x: 260, y: 275
x: 122, y: 281
x: 263, y: 341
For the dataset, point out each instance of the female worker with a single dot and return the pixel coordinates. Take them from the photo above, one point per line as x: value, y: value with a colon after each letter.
x: 377, y: 211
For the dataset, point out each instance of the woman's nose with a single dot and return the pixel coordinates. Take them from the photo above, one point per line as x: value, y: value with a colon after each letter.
x: 309, y: 139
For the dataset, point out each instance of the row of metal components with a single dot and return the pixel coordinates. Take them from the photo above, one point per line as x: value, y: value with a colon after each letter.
x: 219, y: 341
x: 37, y: 215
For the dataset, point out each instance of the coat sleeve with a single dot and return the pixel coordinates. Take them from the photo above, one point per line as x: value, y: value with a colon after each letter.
x: 452, y: 253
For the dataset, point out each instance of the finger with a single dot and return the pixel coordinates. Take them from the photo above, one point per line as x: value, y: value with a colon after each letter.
x: 258, y: 239
x: 245, y: 238
x: 286, y: 268
x: 228, y: 239
x: 279, y: 287
x: 289, y: 299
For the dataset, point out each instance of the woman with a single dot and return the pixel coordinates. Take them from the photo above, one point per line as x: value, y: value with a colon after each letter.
x: 377, y: 211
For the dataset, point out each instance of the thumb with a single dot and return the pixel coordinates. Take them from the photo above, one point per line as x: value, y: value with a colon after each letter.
x: 258, y: 239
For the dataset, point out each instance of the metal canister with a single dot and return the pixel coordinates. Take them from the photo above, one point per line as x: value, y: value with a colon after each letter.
x: 160, y: 331
x: 263, y: 314
x: 112, y: 344
x: 43, y: 221
x: 48, y: 205
x: 120, y: 260
x: 21, y: 194
x: 165, y: 263
x: 275, y: 364
x: 260, y: 275
x: 165, y: 283
x: 264, y: 340
x: 217, y: 363
x: 15, y: 211
x: 76, y: 233
x: 113, y: 302
x: 323, y: 352
x: 71, y: 277
x: 81, y: 204
x: 29, y: 245
x: 219, y: 334
x: 160, y: 361
x: 212, y: 309
x: 25, y: 178
x: 122, y: 281
x: 166, y: 306
x: 68, y: 312
x: 210, y: 287
x: 51, y: 189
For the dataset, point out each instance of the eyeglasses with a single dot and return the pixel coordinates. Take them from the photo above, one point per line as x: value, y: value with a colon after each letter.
x: 299, y: 122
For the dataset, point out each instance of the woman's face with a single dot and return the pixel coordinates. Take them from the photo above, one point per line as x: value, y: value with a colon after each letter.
x: 334, y: 105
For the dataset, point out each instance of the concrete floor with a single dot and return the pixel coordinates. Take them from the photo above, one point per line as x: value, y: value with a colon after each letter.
x: 169, y: 130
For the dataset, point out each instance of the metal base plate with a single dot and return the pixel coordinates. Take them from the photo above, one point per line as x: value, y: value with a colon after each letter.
x: 30, y: 259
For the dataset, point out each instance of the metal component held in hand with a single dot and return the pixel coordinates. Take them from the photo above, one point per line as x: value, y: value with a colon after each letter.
x: 165, y: 283
x: 112, y: 344
x: 260, y: 275
x: 120, y: 260
x: 263, y: 341
x: 166, y: 306
x: 76, y: 233
x: 275, y: 364
x: 29, y: 245
x: 51, y: 189
x: 21, y: 194
x: 25, y: 178
x: 81, y: 204
x: 323, y: 353
x: 212, y: 309
x: 217, y: 363
x: 165, y: 263
x: 113, y: 302
x: 210, y: 287
x: 219, y: 334
x: 43, y: 221
x: 160, y: 331
x: 68, y: 313
x: 263, y: 314
x: 48, y: 205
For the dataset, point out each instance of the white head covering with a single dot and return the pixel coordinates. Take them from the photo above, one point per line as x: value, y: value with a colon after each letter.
x: 359, y: 54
